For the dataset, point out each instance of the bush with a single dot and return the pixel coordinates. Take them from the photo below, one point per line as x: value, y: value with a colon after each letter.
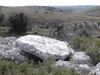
x: 18, y: 22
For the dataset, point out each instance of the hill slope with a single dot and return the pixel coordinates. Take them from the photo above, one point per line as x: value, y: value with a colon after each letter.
x: 95, y: 12
x: 46, y: 12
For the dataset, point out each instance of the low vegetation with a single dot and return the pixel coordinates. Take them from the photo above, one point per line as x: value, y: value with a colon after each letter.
x: 46, y: 68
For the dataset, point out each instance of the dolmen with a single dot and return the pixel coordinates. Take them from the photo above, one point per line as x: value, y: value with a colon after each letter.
x: 44, y: 47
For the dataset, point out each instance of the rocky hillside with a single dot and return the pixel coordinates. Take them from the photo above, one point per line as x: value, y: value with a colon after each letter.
x: 75, y: 8
x: 42, y: 8
x: 11, y: 10
x: 94, y: 12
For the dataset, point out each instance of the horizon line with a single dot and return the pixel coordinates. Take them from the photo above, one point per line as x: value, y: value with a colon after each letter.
x: 46, y: 5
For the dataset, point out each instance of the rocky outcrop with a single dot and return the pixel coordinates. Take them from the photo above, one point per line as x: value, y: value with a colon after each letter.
x: 44, y: 47
x: 8, y: 49
x: 41, y: 48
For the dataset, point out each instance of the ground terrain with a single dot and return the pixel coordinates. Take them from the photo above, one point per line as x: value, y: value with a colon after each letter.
x: 42, y: 16
x: 44, y: 20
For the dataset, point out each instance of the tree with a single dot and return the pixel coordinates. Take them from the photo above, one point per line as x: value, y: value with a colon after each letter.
x: 18, y: 22
x: 1, y: 19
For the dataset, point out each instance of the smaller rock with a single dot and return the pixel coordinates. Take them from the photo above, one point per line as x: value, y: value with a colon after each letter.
x: 80, y: 58
x: 84, y: 68
x: 95, y: 70
x: 19, y: 58
x: 9, y: 54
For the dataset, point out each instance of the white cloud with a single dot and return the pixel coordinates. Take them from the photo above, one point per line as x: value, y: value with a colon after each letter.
x: 47, y: 2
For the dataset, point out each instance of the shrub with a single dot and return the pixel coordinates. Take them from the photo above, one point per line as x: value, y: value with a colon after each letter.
x: 94, y: 52
x: 64, y: 71
x: 81, y: 43
x: 1, y: 19
x: 84, y: 33
x: 90, y: 45
x: 18, y: 22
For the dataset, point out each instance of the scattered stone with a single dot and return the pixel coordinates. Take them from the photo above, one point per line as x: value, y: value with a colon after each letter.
x: 8, y: 49
x: 81, y: 68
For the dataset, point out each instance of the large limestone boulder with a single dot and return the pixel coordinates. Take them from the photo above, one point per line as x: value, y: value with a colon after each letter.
x: 80, y: 58
x: 44, y: 47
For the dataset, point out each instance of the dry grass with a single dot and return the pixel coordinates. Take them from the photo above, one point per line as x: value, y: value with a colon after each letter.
x: 66, y: 16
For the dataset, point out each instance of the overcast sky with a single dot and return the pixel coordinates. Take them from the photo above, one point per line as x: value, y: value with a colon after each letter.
x: 48, y: 2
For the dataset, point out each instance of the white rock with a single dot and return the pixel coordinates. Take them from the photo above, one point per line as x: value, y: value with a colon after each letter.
x: 96, y: 70
x: 84, y: 68
x: 80, y: 58
x: 44, y: 47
